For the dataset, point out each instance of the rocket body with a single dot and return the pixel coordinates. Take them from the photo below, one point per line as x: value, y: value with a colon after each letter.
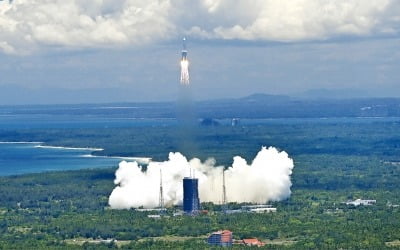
x: 184, y: 65
x: 184, y: 50
x: 184, y: 55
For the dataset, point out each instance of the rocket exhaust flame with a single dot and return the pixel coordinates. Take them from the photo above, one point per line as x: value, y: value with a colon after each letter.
x: 184, y: 72
x: 184, y: 65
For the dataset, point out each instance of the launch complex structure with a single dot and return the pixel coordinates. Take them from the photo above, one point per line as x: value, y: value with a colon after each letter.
x: 191, y: 201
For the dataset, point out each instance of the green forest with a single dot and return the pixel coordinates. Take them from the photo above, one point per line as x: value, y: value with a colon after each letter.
x: 334, y: 163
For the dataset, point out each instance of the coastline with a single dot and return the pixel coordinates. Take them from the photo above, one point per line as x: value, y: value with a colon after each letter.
x: 140, y: 160
x: 68, y: 148
x: 47, y: 162
x: 21, y: 142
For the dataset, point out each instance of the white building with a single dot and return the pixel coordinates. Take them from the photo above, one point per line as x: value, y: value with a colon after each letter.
x: 263, y: 210
x: 359, y: 202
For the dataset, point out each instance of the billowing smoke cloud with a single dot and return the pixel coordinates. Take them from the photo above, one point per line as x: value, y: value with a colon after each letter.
x: 27, y: 24
x: 267, y: 178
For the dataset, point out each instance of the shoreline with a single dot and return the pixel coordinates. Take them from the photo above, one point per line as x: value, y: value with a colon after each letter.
x: 21, y: 142
x: 140, y: 160
x: 81, y: 152
x: 68, y: 148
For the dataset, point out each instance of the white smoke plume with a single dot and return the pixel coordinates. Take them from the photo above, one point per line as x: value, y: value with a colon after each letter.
x: 267, y: 178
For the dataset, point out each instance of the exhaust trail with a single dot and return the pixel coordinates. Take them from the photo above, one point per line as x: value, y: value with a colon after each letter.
x: 185, y: 109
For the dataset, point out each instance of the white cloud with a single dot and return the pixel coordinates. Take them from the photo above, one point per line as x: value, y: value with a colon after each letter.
x: 6, y: 47
x: 294, y: 20
x: 26, y: 25
x: 82, y: 23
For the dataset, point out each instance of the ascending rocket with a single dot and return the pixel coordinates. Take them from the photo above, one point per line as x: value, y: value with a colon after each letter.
x: 184, y: 65
x: 184, y: 50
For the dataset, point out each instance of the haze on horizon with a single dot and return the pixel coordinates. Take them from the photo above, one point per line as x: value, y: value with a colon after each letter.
x: 81, y: 51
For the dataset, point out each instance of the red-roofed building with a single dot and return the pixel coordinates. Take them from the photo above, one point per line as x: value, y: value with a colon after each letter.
x: 252, y: 242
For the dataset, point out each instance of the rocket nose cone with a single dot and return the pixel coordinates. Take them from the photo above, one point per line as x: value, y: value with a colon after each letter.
x: 184, y: 43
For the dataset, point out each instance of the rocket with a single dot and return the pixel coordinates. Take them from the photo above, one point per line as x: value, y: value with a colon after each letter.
x: 184, y: 50
x: 184, y: 64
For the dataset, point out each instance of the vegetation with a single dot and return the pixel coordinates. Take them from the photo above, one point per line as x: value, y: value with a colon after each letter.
x: 334, y: 162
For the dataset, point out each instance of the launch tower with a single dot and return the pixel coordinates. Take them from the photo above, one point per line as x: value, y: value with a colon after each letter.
x: 223, y: 191
x: 191, y: 202
x: 161, y: 200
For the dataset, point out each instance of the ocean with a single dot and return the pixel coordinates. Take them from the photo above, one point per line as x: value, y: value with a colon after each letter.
x: 22, y: 158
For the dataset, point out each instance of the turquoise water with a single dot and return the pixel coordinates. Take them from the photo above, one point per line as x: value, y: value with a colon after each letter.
x: 21, y: 158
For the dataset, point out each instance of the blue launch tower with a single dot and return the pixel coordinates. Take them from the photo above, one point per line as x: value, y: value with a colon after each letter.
x: 191, y: 202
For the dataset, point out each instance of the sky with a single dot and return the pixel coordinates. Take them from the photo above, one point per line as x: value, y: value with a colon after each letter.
x: 85, y: 51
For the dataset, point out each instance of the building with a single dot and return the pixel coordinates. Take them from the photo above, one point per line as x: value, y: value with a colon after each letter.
x: 191, y: 201
x: 259, y: 208
x: 154, y: 216
x: 252, y: 242
x: 253, y: 209
x: 151, y: 209
x: 235, y: 122
x: 359, y: 202
x: 220, y: 238
x: 249, y: 207
x: 263, y: 210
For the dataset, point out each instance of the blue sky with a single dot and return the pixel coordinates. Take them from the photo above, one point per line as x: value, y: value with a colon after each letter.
x: 110, y: 51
